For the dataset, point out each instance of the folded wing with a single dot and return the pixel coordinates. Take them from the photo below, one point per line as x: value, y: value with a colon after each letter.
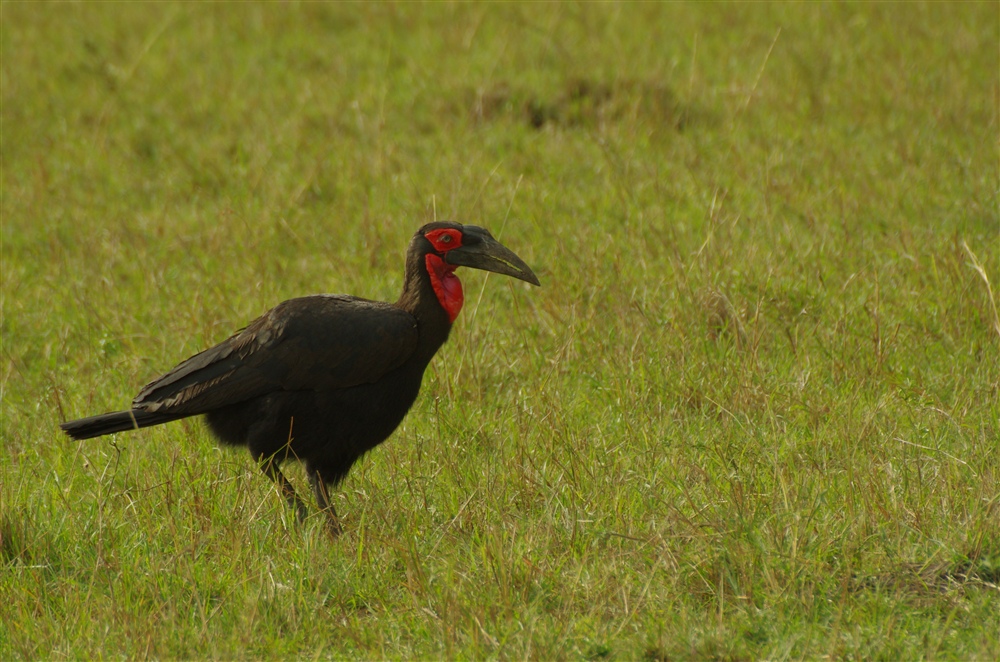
x: 321, y: 342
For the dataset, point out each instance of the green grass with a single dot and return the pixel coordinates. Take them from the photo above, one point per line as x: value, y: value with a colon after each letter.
x: 752, y: 412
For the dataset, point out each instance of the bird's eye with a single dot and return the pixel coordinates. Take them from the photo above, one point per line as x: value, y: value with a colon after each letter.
x: 444, y: 239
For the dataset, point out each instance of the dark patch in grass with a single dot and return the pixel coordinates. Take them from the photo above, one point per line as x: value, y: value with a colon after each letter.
x: 936, y: 577
x: 723, y: 319
x: 756, y: 634
x: 656, y: 654
x: 14, y: 535
x: 583, y: 102
x: 358, y: 604
x: 599, y: 652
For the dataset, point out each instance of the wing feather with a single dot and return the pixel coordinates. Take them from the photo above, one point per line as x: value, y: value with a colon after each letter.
x: 320, y: 342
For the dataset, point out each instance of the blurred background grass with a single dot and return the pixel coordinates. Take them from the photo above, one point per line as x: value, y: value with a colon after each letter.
x: 751, y: 413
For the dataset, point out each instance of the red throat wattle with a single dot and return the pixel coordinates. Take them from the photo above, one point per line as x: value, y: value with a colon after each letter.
x: 446, y: 284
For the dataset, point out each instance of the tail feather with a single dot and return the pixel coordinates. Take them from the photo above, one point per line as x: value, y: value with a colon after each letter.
x: 118, y: 421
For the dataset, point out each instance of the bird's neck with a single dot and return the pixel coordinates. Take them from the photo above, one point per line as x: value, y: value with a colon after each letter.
x: 423, y: 299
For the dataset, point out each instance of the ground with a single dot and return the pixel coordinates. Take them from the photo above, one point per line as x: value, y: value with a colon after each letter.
x: 751, y: 413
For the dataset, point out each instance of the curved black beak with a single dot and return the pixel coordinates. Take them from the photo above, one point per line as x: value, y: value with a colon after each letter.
x: 480, y: 250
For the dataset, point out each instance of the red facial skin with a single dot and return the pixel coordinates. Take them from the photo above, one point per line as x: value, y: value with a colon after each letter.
x: 446, y: 284
x: 444, y: 240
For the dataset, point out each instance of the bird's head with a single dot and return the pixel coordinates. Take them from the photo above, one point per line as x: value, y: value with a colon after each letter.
x: 447, y: 246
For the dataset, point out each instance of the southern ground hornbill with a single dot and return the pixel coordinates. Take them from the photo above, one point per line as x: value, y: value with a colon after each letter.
x: 324, y: 378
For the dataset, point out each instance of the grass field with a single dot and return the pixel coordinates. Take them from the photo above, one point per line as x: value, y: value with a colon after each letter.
x: 752, y: 412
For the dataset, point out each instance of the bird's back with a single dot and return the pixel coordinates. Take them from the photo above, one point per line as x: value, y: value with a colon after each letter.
x: 314, y: 343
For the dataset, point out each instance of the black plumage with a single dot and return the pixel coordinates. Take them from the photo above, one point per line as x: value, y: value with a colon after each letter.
x: 323, y: 378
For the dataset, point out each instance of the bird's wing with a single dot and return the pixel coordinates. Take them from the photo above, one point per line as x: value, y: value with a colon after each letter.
x: 319, y: 342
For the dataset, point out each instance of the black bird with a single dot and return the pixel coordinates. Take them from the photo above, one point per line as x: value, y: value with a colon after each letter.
x: 325, y: 378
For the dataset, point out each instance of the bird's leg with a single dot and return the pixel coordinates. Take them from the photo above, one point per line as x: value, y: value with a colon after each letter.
x: 271, y: 470
x: 323, y: 499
